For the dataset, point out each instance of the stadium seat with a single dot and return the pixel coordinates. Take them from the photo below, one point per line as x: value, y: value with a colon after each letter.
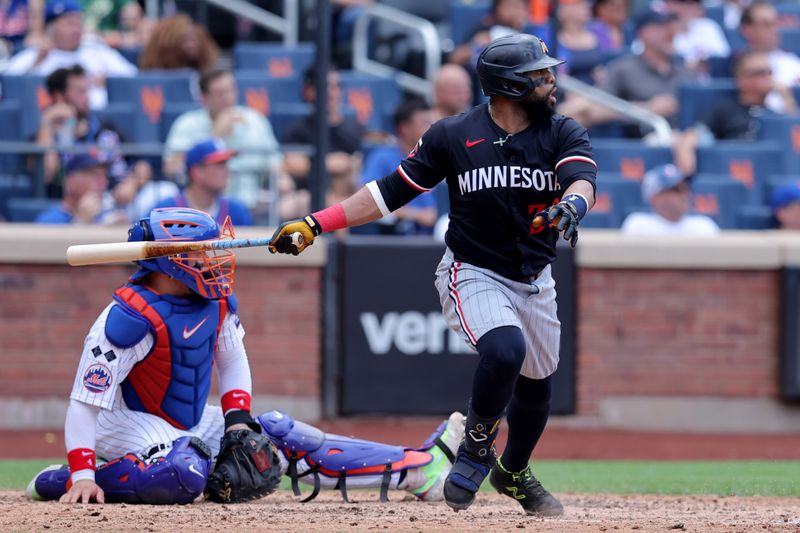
x: 121, y: 117
x: 374, y: 98
x: 629, y: 158
x: 617, y: 196
x: 718, y: 197
x: 28, y: 209
x: 696, y: 99
x: 755, y: 217
x: 131, y: 54
x: 151, y: 88
x: 599, y: 219
x: 747, y: 162
x: 466, y: 17
x: 786, y: 131
x: 10, y: 119
x: 260, y: 92
x: 30, y: 93
x: 790, y: 40
x: 13, y: 186
x: 149, y: 92
x: 274, y: 59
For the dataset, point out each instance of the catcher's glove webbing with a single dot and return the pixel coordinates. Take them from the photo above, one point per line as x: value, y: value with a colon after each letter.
x: 247, y: 468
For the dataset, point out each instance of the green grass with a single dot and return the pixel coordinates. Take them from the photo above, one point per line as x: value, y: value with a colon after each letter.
x: 743, y: 478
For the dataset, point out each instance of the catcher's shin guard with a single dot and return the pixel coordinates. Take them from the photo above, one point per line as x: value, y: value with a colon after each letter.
x: 335, y: 461
x: 177, y: 477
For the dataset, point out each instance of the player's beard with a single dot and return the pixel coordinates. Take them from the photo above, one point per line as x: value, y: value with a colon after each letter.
x: 538, y: 109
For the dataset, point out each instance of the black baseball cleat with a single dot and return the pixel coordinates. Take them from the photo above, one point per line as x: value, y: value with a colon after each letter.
x: 526, y: 489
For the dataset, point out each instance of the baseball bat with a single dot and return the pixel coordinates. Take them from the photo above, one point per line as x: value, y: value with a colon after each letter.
x: 114, y: 252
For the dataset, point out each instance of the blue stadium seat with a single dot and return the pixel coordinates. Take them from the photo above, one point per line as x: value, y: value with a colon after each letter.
x: 629, y: 158
x: 466, y: 17
x: 755, y: 217
x: 121, y: 116
x: 260, y: 92
x: 599, y: 220
x: 30, y: 93
x: 618, y: 196
x: 274, y: 59
x: 10, y: 119
x: 696, y: 99
x: 170, y: 113
x: 27, y: 209
x: 13, y: 186
x: 149, y: 87
x: 131, y: 54
x: 148, y: 92
x: 747, y: 162
x: 374, y: 98
x: 790, y: 40
x: 718, y: 197
x: 786, y: 131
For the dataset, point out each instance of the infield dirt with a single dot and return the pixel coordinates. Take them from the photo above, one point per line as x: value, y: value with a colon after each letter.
x: 491, y: 512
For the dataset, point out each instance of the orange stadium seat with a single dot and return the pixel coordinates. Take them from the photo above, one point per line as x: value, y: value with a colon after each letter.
x: 628, y: 158
x: 718, y: 197
x: 746, y: 162
x: 784, y: 130
x: 373, y: 98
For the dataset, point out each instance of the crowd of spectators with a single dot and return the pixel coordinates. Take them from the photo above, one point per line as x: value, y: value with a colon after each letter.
x: 637, y: 50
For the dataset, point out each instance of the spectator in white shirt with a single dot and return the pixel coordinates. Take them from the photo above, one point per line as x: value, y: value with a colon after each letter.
x: 667, y: 190
x: 65, y: 45
x: 698, y: 37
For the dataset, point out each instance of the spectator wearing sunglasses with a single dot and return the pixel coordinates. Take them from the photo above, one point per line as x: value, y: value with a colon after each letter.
x: 758, y: 95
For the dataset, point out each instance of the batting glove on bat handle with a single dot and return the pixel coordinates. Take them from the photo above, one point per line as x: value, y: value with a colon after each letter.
x: 294, y: 236
x: 563, y: 217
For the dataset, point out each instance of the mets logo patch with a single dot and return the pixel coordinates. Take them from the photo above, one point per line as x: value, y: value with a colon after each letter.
x: 97, y: 378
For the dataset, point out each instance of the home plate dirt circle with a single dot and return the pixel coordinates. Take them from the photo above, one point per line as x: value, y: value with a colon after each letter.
x: 491, y: 512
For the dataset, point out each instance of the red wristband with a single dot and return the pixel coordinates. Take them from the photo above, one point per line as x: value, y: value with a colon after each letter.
x: 81, y: 459
x: 331, y: 218
x: 235, y: 399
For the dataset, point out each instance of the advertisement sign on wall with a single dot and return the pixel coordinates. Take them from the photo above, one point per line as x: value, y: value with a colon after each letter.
x: 397, y: 353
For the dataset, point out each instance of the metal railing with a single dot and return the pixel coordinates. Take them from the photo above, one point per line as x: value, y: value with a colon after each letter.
x: 285, y: 26
x: 662, y: 131
x: 414, y: 25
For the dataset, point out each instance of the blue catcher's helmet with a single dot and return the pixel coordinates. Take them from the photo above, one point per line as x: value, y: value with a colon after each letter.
x: 503, y: 63
x: 209, y: 274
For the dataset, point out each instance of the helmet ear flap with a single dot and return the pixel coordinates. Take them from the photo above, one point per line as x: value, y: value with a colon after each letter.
x: 141, y: 231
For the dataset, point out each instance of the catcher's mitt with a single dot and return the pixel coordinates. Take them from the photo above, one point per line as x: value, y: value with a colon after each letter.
x: 247, y: 468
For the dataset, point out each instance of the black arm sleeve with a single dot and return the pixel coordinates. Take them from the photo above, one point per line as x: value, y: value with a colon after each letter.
x: 396, y: 191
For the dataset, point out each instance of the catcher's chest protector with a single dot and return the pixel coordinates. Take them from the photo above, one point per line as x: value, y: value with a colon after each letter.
x: 173, y: 381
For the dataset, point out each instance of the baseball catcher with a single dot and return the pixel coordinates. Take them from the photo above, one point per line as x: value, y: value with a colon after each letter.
x: 138, y: 426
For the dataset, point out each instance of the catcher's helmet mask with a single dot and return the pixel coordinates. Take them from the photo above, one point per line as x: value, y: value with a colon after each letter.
x: 504, y: 63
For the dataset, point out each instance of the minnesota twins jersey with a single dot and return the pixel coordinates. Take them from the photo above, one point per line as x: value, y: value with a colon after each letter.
x: 104, y: 366
x: 497, y: 182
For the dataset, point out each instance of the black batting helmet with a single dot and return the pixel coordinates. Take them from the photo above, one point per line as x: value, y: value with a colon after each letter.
x: 503, y: 63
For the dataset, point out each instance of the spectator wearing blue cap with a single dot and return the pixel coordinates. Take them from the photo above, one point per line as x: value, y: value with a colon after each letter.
x: 84, y: 195
x: 786, y: 205
x: 64, y: 46
x: 207, y: 169
x: 668, y: 192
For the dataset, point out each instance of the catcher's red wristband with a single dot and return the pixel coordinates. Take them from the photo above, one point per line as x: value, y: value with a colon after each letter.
x: 331, y: 218
x: 81, y: 459
x: 235, y: 399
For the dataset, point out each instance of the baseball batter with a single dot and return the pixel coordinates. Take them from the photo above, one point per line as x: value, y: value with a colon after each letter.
x: 138, y: 403
x: 518, y: 175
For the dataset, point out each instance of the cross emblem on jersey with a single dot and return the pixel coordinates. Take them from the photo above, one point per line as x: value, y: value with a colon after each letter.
x: 502, y: 140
